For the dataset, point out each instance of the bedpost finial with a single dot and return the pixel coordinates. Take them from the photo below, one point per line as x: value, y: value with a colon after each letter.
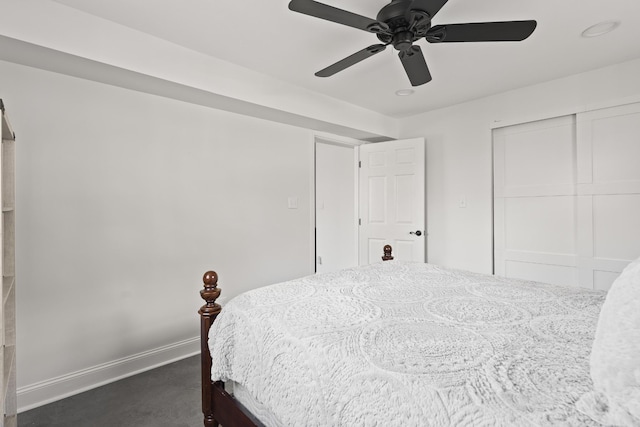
x: 210, y: 278
x: 210, y: 294
x: 387, y: 253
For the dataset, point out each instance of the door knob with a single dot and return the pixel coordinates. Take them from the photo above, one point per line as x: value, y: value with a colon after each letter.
x: 417, y: 233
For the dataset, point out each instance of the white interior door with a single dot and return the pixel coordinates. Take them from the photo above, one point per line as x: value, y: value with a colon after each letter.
x: 336, y: 220
x: 392, y: 200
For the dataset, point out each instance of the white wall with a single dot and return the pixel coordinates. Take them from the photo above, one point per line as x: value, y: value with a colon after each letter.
x: 66, y: 33
x: 459, y: 154
x: 123, y: 200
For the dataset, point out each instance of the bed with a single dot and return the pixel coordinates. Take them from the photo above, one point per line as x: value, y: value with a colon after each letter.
x: 405, y: 344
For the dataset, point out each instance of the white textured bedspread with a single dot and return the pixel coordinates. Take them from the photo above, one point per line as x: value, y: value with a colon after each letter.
x: 406, y: 344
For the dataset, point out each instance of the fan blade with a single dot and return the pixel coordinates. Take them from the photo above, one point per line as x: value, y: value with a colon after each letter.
x: 430, y: 6
x: 333, y: 14
x: 415, y: 66
x: 507, y: 31
x: 351, y: 60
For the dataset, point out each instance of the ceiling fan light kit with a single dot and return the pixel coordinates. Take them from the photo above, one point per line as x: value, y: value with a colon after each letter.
x: 405, y: 92
x: 401, y: 23
x: 600, y: 29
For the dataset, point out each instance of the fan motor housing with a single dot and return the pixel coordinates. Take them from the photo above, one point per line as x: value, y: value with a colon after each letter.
x: 405, y: 25
x: 394, y: 11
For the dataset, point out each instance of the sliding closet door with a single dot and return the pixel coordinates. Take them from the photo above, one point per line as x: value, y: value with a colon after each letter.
x: 608, y: 193
x: 567, y: 197
x: 534, y: 201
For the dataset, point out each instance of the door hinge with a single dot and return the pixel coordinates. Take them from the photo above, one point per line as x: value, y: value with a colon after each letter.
x: 359, y: 163
x: 359, y: 221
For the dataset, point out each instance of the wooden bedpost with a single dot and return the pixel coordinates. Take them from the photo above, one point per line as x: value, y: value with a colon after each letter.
x: 208, y: 314
x: 387, y: 253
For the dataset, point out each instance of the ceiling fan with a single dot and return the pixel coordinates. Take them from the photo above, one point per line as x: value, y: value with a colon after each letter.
x: 403, y: 22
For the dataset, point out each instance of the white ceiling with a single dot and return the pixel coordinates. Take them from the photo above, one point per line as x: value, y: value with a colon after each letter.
x: 267, y: 37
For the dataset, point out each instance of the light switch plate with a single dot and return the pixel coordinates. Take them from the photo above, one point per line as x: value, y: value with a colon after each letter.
x: 292, y: 202
x: 462, y: 201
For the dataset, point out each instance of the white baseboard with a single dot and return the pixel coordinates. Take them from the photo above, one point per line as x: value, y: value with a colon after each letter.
x: 38, y: 394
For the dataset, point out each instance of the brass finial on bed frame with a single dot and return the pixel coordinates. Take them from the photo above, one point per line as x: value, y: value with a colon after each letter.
x: 387, y: 253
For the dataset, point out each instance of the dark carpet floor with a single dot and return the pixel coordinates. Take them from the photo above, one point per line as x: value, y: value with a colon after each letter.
x: 168, y: 396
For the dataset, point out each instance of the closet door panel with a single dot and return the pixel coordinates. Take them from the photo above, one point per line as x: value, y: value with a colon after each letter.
x: 616, y: 226
x: 534, y: 201
x: 615, y: 146
x: 608, y: 153
x: 540, y: 224
x: 536, y: 159
x: 546, y: 273
x: 602, y: 280
x: 539, y: 157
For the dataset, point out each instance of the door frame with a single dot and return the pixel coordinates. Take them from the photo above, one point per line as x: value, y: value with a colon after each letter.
x: 319, y: 137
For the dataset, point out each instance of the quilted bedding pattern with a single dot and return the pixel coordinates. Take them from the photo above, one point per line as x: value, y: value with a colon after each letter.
x: 409, y: 344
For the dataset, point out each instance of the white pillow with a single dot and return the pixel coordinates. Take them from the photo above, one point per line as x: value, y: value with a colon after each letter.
x: 615, y: 356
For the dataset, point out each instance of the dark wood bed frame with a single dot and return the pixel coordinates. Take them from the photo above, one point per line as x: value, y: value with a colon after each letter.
x: 218, y: 406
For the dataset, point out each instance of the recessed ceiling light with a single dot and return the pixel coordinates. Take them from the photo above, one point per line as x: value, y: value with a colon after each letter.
x: 600, y: 28
x: 405, y: 92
